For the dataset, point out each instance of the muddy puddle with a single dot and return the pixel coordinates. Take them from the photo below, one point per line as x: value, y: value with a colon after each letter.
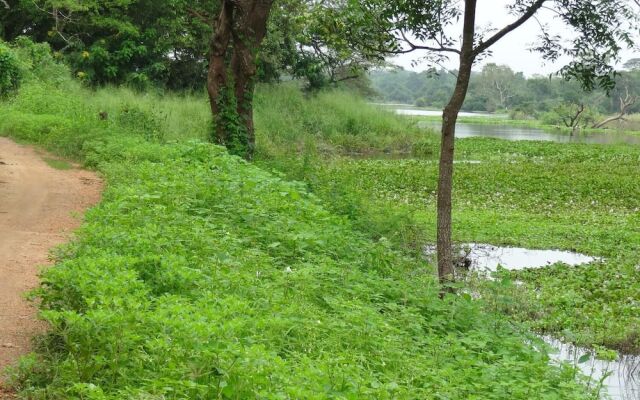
x: 616, y: 380
x: 486, y: 257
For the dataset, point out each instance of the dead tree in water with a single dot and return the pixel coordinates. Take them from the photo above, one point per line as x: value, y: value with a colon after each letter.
x: 572, y: 121
x: 626, y: 103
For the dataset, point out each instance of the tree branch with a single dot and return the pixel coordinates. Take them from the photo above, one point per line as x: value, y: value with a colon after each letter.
x: 207, y: 19
x: 413, y: 46
x: 507, y: 29
x: 6, y: 5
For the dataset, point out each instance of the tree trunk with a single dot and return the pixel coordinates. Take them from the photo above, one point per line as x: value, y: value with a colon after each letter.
x: 244, y: 70
x: 449, y: 118
x: 239, y: 31
x: 217, y: 75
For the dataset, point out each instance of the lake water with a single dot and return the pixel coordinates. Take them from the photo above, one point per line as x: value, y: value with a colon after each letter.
x: 508, y: 132
x: 486, y: 257
x: 438, y: 113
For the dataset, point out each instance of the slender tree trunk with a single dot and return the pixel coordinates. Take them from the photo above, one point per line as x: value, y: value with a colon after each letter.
x: 449, y: 118
x: 240, y: 29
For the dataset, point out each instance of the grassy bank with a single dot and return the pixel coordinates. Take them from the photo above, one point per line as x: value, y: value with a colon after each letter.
x: 578, y: 197
x: 379, y: 171
x: 574, y: 197
x: 201, y: 276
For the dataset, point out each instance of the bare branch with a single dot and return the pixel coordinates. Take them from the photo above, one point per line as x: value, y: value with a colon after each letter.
x: 6, y: 5
x: 626, y: 102
x: 507, y: 29
x: 413, y: 46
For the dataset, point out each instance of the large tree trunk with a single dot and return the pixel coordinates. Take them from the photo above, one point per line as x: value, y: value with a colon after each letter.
x: 217, y: 76
x: 244, y: 70
x: 449, y: 118
x: 239, y: 31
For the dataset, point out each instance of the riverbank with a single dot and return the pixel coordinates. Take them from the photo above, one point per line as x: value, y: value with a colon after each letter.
x: 628, y: 126
x: 543, y: 195
x: 540, y: 195
x: 200, y: 275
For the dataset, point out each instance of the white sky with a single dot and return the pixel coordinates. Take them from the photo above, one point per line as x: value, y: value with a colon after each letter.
x: 511, y: 50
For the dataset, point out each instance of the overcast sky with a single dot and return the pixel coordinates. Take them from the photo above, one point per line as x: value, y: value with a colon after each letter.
x: 511, y: 50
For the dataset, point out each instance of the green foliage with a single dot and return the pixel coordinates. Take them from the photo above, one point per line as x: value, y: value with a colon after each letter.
x: 233, y: 283
x: 136, y: 119
x: 599, y: 30
x: 228, y: 120
x: 144, y: 43
x: 39, y: 62
x: 138, y: 42
x: 585, y: 199
x: 563, y: 114
x: 10, y: 71
x: 329, y: 122
x: 202, y: 276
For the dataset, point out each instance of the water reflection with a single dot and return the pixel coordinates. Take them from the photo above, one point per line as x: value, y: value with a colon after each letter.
x: 486, y: 257
x: 620, y: 378
x: 438, y: 113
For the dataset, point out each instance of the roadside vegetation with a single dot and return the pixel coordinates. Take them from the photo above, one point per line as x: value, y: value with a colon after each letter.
x: 202, y: 276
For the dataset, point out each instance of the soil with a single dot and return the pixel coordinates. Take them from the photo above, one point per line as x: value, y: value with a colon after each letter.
x: 40, y: 206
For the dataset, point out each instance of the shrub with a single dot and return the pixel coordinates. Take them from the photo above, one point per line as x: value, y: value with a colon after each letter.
x: 10, y: 71
x: 39, y: 63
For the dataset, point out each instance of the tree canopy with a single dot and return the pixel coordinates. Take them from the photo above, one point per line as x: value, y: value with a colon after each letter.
x: 166, y: 43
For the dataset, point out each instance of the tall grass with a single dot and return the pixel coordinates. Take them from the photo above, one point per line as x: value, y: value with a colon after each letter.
x: 328, y: 123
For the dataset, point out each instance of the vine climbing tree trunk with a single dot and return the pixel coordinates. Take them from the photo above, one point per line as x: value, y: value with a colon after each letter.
x: 238, y: 32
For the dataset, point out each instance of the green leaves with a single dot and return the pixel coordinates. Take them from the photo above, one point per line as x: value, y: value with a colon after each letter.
x: 202, y: 276
x: 10, y: 71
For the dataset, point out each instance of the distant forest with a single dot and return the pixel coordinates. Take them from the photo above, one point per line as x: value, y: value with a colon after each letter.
x: 499, y: 88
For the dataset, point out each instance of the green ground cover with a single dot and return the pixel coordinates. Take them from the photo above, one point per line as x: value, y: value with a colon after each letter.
x: 540, y: 195
x: 576, y: 197
x: 202, y: 276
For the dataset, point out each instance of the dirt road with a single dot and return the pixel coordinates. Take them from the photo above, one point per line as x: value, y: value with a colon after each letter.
x: 39, y: 208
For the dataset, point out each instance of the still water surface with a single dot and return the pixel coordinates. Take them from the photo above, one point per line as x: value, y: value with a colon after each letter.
x: 508, y: 132
x: 620, y: 378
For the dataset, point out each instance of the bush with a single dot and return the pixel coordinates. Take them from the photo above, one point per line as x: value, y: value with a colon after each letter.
x: 10, y: 71
x: 421, y: 102
x: 39, y: 63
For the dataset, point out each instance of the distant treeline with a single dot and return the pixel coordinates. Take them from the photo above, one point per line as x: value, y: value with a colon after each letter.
x: 498, y: 88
